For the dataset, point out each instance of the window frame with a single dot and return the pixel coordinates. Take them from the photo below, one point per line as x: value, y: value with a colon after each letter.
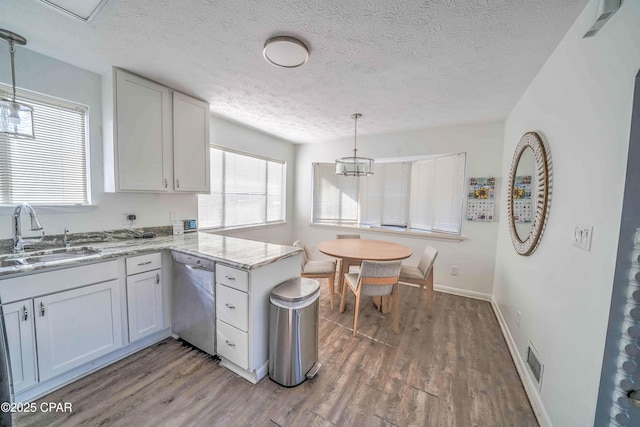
x: 390, y: 229
x: 28, y: 97
x: 283, y: 189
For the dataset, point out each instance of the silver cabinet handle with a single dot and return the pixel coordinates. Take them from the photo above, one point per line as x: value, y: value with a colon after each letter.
x: 145, y: 263
x: 157, y: 278
x: 41, y: 309
x: 230, y: 277
x: 229, y: 343
x: 25, y: 313
x: 177, y: 183
x: 166, y: 183
x: 231, y: 306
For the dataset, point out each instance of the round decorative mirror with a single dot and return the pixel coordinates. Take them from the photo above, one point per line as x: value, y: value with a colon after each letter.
x: 528, y: 192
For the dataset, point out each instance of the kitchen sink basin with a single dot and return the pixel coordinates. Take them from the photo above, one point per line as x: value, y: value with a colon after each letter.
x: 62, y: 255
x: 45, y: 258
x: 11, y: 262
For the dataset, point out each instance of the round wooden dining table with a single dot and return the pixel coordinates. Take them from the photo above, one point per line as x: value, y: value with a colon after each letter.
x: 354, y: 251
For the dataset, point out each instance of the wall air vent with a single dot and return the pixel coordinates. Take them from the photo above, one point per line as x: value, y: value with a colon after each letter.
x: 606, y: 9
x: 534, y: 362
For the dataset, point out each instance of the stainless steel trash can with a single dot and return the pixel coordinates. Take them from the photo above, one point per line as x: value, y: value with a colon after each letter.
x: 293, y: 331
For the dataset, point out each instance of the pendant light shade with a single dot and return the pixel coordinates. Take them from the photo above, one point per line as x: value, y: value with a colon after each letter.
x: 354, y: 165
x: 15, y: 118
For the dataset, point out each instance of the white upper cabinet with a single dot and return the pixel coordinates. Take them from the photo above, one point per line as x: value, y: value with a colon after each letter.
x: 190, y: 144
x: 155, y: 140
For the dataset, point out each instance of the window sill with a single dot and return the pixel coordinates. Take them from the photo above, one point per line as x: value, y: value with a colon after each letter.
x: 211, y: 230
x: 421, y: 234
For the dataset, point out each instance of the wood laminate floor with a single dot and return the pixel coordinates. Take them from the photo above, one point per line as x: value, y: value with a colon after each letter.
x: 451, y: 370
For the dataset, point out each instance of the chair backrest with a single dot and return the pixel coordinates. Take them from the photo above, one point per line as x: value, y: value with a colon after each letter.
x: 347, y: 236
x: 305, y: 256
x: 426, y: 261
x: 378, y: 277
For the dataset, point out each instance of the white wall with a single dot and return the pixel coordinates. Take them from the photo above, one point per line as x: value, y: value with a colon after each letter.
x: 232, y: 135
x: 581, y: 101
x: 46, y: 75
x: 475, y: 256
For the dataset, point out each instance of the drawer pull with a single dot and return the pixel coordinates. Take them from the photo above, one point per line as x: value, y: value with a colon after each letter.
x: 229, y: 343
x: 41, y: 309
x: 145, y: 263
x: 231, y: 306
x: 25, y: 313
x: 166, y: 184
x: 177, y: 183
x: 230, y: 277
x: 157, y: 278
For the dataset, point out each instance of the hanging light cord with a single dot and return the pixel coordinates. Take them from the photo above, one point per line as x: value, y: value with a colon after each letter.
x: 355, y: 135
x: 12, y: 51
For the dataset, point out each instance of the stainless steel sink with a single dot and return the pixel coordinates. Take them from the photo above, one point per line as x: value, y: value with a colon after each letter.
x: 62, y: 255
x: 11, y: 262
x: 44, y: 258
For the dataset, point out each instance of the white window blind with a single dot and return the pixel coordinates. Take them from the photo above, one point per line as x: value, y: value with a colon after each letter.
x: 335, y: 197
x: 436, y: 193
x: 416, y: 195
x: 52, y: 168
x: 245, y: 190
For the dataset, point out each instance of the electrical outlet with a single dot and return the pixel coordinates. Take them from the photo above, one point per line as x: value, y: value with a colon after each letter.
x: 129, y: 219
x: 582, y: 237
x: 518, y: 318
x: 455, y: 270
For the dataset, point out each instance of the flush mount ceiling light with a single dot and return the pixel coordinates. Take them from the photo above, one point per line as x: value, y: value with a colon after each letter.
x: 285, y: 51
x: 354, y: 165
x: 15, y: 118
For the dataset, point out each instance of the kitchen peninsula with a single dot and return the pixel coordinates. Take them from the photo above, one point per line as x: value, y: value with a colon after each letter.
x: 65, y: 319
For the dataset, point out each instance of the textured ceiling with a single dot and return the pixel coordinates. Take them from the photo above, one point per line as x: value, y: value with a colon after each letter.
x: 403, y: 64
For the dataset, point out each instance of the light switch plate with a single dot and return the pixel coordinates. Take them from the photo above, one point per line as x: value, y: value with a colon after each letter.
x: 582, y: 235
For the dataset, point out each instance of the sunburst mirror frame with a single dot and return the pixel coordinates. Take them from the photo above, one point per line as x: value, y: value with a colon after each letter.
x: 542, y: 193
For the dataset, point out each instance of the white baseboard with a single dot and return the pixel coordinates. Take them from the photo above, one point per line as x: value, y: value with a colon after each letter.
x: 462, y: 292
x: 530, y: 387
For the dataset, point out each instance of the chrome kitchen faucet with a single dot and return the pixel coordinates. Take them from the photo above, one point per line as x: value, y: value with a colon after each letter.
x: 18, y: 241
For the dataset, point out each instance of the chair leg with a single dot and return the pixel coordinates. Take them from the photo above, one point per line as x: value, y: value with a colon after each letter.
x: 429, y: 286
x: 395, y: 293
x: 330, y: 279
x: 343, y: 301
x: 355, y: 314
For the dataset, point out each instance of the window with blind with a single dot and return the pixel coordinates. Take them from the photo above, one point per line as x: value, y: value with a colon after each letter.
x: 51, y: 169
x: 245, y: 191
x: 418, y: 195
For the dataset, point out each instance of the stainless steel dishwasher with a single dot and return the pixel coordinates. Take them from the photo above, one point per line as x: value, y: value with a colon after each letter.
x: 194, y: 305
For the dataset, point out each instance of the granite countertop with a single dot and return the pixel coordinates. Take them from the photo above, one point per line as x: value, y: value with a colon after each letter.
x: 233, y: 251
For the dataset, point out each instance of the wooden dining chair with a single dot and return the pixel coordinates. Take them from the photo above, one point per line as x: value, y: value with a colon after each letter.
x: 352, y: 268
x: 422, y: 274
x: 375, y: 278
x: 317, y: 269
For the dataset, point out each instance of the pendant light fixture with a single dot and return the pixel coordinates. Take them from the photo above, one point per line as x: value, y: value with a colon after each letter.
x: 354, y: 165
x: 15, y: 118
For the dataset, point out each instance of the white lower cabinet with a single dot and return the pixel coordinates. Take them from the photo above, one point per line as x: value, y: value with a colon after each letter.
x: 144, y: 304
x: 233, y: 344
x: 18, y: 322
x: 77, y: 326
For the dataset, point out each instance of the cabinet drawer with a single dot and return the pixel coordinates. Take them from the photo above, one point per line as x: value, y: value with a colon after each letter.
x: 232, y: 306
x: 142, y: 263
x: 232, y: 344
x: 237, y: 279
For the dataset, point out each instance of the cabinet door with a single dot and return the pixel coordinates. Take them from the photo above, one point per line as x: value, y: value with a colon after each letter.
x: 144, y: 304
x: 77, y: 326
x: 18, y: 321
x: 190, y: 144
x: 143, y: 134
